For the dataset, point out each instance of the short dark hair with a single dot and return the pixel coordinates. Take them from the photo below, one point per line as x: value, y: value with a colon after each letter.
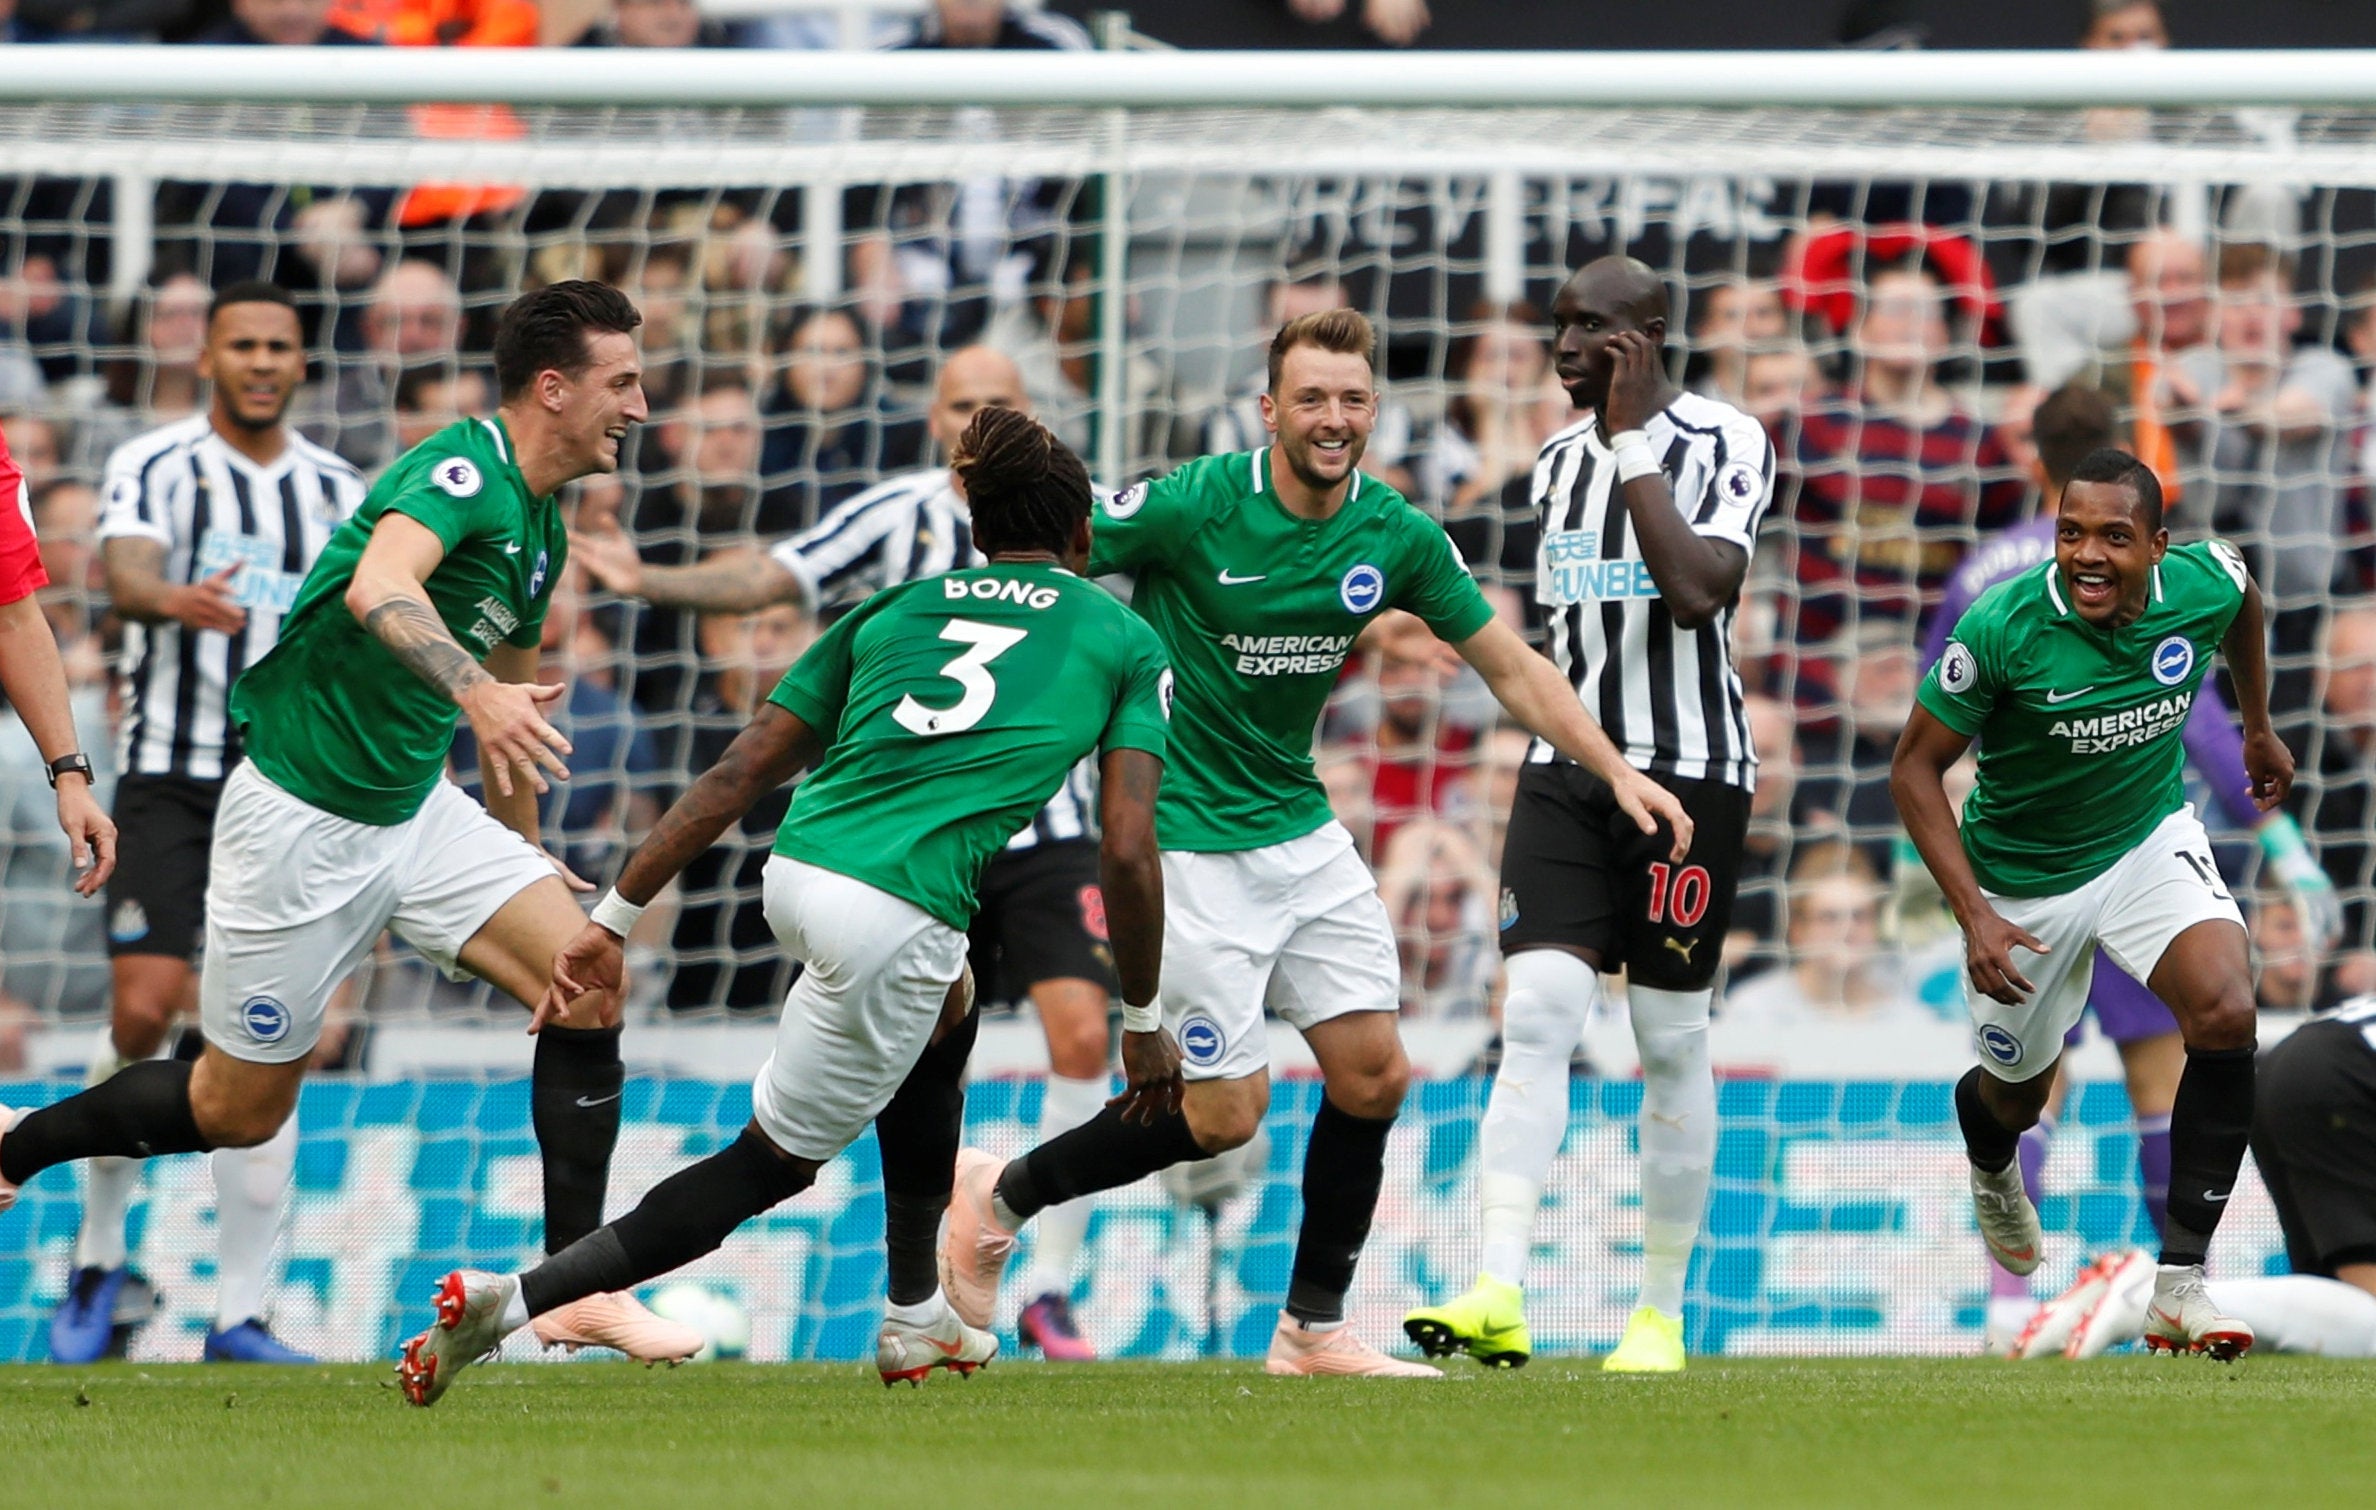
x: 2071, y: 424
x: 547, y: 329
x: 1025, y: 488
x: 1347, y: 331
x: 2113, y: 465
x: 250, y: 291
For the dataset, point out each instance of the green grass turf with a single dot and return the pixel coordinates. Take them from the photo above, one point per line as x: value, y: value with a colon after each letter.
x: 2124, y: 1431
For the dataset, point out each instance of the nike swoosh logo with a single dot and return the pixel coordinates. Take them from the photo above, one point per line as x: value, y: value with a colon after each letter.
x: 2215, y: 1199
x: 2064, y: 697
x: 1229, y: 581
x: 511, y: 548
x: 947, y: 1349
x: 2024, y: 1254
x: 599, y: 1100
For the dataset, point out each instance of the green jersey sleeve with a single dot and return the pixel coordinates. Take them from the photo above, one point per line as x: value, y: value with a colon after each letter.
x: 1142, y: 523
x: 1436, y: 583
x: 1962, y: 687
x: 1142, y: 707
x: 446, y: 495
x: 818, y: 685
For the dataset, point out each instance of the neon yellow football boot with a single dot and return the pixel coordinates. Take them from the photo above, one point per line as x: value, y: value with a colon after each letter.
x: 1653, y: 1344
x: 1488, y: 1323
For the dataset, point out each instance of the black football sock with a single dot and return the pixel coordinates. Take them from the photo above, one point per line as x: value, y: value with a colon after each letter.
x: 919, y: 1131
x: 2210, y: 1123
x: 1103, y: 1153
x: 573, y: 1099
x: 686, y: 1215
x: 1343, y: 1169
x: 140, y: 1112
x: 1990, y: 1144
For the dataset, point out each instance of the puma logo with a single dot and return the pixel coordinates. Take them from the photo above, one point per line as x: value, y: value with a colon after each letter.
x: 1681, y: 946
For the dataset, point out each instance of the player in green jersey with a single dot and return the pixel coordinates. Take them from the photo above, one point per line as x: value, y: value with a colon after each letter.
x: 939, y: 715
x: 341, y: 824
x: 1259, y: 570
x: 2077, y: 677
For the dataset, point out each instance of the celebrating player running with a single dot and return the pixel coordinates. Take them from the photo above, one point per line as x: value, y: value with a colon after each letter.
x: 2077, y: 678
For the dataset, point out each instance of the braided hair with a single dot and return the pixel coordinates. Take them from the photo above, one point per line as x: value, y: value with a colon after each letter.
x: 1025, y: 488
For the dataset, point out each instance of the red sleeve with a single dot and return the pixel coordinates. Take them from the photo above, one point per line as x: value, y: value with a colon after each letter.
x: 20, y: 556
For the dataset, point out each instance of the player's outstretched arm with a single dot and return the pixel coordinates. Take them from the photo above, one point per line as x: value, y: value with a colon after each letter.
x: 775, y: 747
x: 34, y: 679
x: 137, y: 588
x: 389, y: 597
x: 1536, y: 695
x: 1918, y: 782
x: 2267, y: 761
x: 1130, y: 871
x: 1696, y: 576
x: 741, y: 582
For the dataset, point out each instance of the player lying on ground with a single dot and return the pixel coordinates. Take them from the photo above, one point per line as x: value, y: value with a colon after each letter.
x: 1259, y: 570
x: 2073, y: 422
x: 340, y: 824
x: 2077, y: 678
x: 1039, y: 929
x: 940, y: 715
x: 1650, y: 511
x: 2314, y: 1141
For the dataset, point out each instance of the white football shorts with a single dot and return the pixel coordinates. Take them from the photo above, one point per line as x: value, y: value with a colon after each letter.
x: 2155, y: 892
x: 1297, y: 927
x: 295, y: 898
x: 877, y: 969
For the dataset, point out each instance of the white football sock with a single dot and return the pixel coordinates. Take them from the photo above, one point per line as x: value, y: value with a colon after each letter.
x: 2301, y: 1313
x: 515, y: 1305
x: 250, y: 1184
x: 1678, y: 1134
x: 1550, y: 999
x: 923, y: 1313
x: 107, y: 1183
x: 1057, y: 1232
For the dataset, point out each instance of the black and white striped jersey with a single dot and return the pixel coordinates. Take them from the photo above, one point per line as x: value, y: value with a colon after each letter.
x: 182, y: 486
x: 909, y: 526
x: 1669, y: 697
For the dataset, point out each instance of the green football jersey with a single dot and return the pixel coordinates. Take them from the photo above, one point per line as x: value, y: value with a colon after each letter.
x: 331, y: 715
x: 952, y: 708
x: 2080, y: 729
x: 1258, y: 608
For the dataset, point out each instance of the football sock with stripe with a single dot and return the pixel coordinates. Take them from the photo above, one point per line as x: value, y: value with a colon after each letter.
x: 2209, y: 1126
x: 574, y: 1093
x: 1678, y: 1134
x: 142, y: 1112
x: 1057, y: 1236
x: 1343, y: 1169
x: 685, y: 1216
x: 1990, y: 1144
x: 919, y: 1130
x: 1526, y: 1116
x: 1103, y: 1153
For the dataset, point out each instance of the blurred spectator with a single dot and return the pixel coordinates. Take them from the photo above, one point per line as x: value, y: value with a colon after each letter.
x: 1422, y: 759
x: 1439, y: 896
x: 1054, y: 340
x: 658, y: 23
x: 2333, y: 793
x: 1397, y: 23
x: 430, y: 398
x: 2359, y: 334
x: 1846, y: 774
x: 1731, y: 321
x: 831, y: 434
x: 1236, y: 425
x: 414, y: 320
x: 2262, y: 428
x: 1776, y: 386
x: 21, y: 379
x: 1896, y: 477
x: 33, y: 441
x: 1504, y: 403
x: 1505, y: 755
x: 2285, y: 953
x: 158, y: 383
x: 280, y: 23
x: 1839, y: 972
x: 1750, y: 946
x: 990, y: 23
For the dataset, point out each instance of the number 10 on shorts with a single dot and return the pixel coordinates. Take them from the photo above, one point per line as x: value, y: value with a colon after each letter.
x: 1682, y: 893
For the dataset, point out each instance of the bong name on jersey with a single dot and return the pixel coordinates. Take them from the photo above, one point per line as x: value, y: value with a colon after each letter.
x: 1287, y: 654
x: 2108, y: 732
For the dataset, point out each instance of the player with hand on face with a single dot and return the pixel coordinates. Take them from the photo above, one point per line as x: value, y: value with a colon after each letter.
x: 1258, y: 570
x: 2077, y: 677
x: 340, y: 824
x: 939, y: 714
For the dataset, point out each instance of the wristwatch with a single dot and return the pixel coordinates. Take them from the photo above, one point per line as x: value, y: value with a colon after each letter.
x: 77, y: 764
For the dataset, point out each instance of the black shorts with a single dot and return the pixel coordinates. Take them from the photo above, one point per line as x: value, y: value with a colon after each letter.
x: 156, y: 900
x: 2314, y: 1138
x: 1042, y: 917
x: 1577, y: 873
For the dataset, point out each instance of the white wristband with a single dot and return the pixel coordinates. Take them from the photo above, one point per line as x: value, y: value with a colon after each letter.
x: 1144, y: 1019
x: 1632, y: 448
x: 616, y: 914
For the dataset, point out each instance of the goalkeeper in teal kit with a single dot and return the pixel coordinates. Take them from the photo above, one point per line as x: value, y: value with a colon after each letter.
x: 2076, y: 677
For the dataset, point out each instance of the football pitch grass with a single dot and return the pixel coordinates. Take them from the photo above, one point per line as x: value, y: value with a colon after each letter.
x: 2119, y: 1431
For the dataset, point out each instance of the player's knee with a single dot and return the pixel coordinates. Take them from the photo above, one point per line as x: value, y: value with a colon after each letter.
x: 1221, y: 1126
x: 1533, y: 1023
x: 138, y: 1028
x: 1669, y: 1050
x: 1077, y: 1049
x: 228, y: 1126
x: 2226, y: 1021
x: 1373, y: 1090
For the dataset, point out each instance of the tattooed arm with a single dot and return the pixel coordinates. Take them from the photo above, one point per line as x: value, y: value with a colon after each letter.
x: 390, y: 598
x: 137, y: 587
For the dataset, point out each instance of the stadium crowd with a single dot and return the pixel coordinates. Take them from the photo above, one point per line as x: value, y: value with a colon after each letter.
x: 1920, y: 355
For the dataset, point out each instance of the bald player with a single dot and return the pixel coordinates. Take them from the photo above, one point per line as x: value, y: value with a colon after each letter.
x: 1041, y: 928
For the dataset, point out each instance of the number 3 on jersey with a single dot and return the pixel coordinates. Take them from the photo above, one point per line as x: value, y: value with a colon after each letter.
x: 970, y: 671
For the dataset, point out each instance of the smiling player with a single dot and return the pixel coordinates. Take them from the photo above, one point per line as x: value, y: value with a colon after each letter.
x: 2077, y: 678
